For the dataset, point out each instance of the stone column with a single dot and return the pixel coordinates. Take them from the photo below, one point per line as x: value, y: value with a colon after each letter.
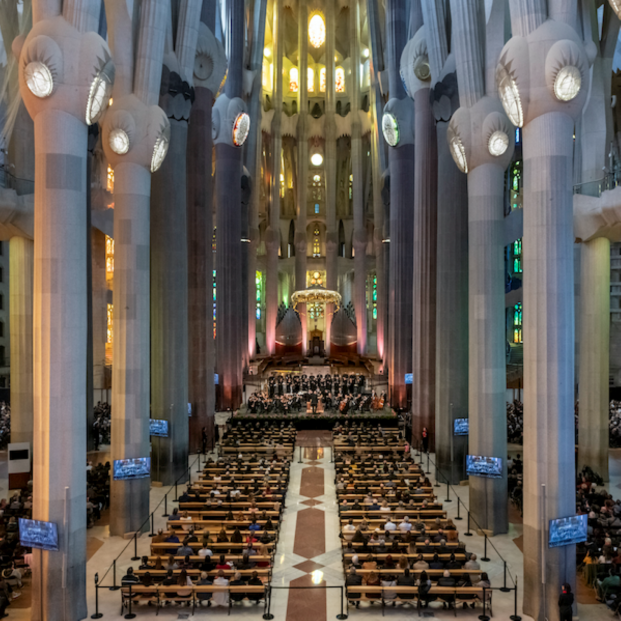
x: 100, y: 302
x: 401, y: 165
x: 60, y: 297
x: 273, y: 229
x: 230, y: 313
x: 594, y: 351
x: 301, y: 242
x: 253, y: 163
x: 21, y: 268
x: 360, y: 233
x: 549, y: 464
x: 330, y: 166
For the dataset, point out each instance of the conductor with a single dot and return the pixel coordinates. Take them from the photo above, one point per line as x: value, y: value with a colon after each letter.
x: 314, y: 401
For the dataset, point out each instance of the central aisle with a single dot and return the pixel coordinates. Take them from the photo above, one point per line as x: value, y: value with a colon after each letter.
x: 309, y: 549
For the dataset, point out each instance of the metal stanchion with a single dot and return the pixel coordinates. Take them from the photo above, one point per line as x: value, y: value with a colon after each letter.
x: 515, y: 616
x: 484, y: 558
x: 165, y: 505
x: 152, y: 534
x: 130, y: 614
x: 342, y: 615
x: 268, y: 615
x: 428, y: 471
x: 97, y: 614
x: 458, y: 504
x: 420, y: 453
x: 114, y: 587
x: 198, y: 471
x: 505, y: 588
x: 135, y: 557
x: 448, y: 492
x: 484, y: 617
x: 300, y: 460
x: 468, y: 533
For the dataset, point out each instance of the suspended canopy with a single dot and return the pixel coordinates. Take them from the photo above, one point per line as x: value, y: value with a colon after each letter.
x: 316, y: 294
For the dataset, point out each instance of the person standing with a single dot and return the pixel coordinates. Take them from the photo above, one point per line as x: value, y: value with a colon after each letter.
x: 204, y: 440
x: 425, y: 439
x: 314, y: 402
x: 565, y: 603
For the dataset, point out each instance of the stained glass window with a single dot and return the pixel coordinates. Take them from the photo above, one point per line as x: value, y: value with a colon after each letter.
x: 293, y: 80
x: 316, y: 243
x: 339, y: 80
x: 310, y: 79
x: 322, y: 80
x: 214, y: 303
x: 315, y: 311
x: 517, y: 256
x: 110, y: 179
x: 374, y: 296
x: 109, y: 323
x: 258, y: 282
x: 517, y: 323
x: 516, y: 184
x: 316, y: 30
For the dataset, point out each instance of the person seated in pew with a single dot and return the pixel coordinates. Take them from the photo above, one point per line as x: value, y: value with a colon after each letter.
x: 205, y: 551
x: 171, y: 563
x: 436, y: 563
x: 146, y: 579
x: 237, y: 596
x: 237, y: 537
x: 447, y: 581
x: 186, y: 583
x: 222, y: 537
x: 424, y: 588
x: 191, y: 538
x: 388, y: 581
x: 372, y: 579
x: 160, y: 537
x: 389, y: 525
x: 207, y: 564
x: 466, y: 582
x: 184, y: 549
x: 439, y: 536
x: 172, y: 538
x: 145, y: 564
x: 158, y: 563
x: 473, y: 565
x: 453, y: 562
x: 421, y: 563
x: 245, y: 562
x: 169, y: 580
x: 255, y: 581
x: 222, y: 563
x: 369, y: 563
x: 254, y: 526
x: 186, y: 563
x: 405, y: 526
x: 130, y: 579
x: 389, y: 562
x: 203, y: 598
x: 406, y: 580
x: 426, y: 547
x: 207, y: 538
x: 355, y: 562
x: 221, y: 598
x: 185, y: 496
x: 403, y: 562
x: 381, y: 548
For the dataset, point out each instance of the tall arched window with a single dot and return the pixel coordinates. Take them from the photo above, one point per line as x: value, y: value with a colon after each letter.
x: 310, y: 80
x: 339, y: 80
x: 316, y: 243
x: 317, y: 30
x: 322, y: 80
x: 293, y: 79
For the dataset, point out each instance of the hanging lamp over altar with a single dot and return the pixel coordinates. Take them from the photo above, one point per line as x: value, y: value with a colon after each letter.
x: 316, y: 294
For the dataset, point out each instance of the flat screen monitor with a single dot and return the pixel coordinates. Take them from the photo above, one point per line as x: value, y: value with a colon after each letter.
x: 567, y: 531
x: 19, y: 455
x: 37, y: 534
x: 216, y: 378
x: 409, y: 378
x: 189, y: 409
x: 136, y: 468
x: 478, y: 466
x: 461, y: 427
x: 158, y: 427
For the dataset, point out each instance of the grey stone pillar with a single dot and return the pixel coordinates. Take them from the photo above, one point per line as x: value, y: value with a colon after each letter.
x: 451, y: 312
x: 401, y: 166
x: 594, y: 351
x: 169, y: 300
x: 360, y: 233
x: 21, y: 268
x: 301, y: 242
x: 100, y: 306
x: 200, y: 265
x: 424, y: 269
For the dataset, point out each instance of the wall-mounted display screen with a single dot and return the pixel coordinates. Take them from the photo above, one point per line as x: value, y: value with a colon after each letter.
x: 479, y: 466
x: 568, y: 531
x: 461, y: 427
x: 158, y: 427
x: 409, y: 378
x: 37, y: 534
x: 136, y: 468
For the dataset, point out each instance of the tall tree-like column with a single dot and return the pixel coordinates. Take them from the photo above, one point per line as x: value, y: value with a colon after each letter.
x: 209, y: 69
x: 273, y: 229
x: 547, y: 110
x: 415, y: 71
x: 253, y: 163
x: 301, y: 242
x: 452, y: 257
x: 379, y: 165
x: 169, y: 251
x: 481, y: 139
x: 131, y: 156
x: 330, y: 166
x: 360, y: 233
x: 230, y: 313
x: 60, y: 317
x: 401, y: 166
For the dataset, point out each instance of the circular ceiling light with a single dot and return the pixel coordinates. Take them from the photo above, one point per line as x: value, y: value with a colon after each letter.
x: 316, y: 159
x: 241, y: 128
x: 39, y: 79
x: 390, y: 129
x: 316, y: 178
x: 509, y: 96
x: 159, y: 151
x: 459, y: 153
x: 567, y: 83
x: 119, y: 141
x: 98, y: 97
x: 317, y: 30
x: 498, y: 143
